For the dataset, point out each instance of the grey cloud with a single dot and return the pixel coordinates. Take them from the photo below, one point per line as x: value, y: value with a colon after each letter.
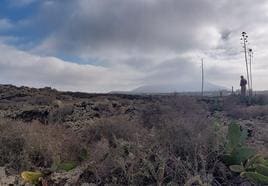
x: 108, y: 29
x: 219, y: 73
x: 173, y: 71
x: 146, y: 41
x: 128, y: 26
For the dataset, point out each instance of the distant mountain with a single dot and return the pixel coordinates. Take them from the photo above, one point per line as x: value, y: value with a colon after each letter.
x: 190, y: 86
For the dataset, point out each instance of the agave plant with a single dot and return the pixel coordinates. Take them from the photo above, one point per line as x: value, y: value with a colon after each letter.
x: 255, y: 169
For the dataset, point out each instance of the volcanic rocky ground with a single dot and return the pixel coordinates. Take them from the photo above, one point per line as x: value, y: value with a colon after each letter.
x: 75, y: 111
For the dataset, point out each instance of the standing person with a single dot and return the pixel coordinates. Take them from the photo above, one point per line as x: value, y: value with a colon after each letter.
x: 243, y: 83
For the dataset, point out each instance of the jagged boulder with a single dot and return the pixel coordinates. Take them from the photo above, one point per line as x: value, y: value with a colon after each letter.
x: 7, y: 179
x: 40, y: 114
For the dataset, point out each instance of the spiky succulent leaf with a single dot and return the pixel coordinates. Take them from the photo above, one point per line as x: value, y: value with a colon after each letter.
x: 255, y: 177
x: 258, y: 158
x: 262, y: 169
x: 265, y: 162
x: 237, y: 168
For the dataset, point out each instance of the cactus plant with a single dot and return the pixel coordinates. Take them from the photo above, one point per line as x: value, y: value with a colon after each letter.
x: 255, y: 177
x: 255, y: 169
x: 262, y: 169
x: 235, y: 150
x: 237, y: 168
x: 242, y: 159
x: 254, y: 160
x: 235, y: 137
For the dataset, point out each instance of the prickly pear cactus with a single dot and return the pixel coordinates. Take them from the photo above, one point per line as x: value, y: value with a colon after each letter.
x: 235, y: 150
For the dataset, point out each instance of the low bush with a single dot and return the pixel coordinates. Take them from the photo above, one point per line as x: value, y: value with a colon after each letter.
x: 11, y: 147
x: 261, y: 99
x: 168, y: 141
x: 26, y: 145
x: 178, y: 145
x: 250, y: 112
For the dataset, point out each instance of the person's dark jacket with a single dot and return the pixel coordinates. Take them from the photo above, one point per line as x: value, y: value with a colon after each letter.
x: 243, y: 82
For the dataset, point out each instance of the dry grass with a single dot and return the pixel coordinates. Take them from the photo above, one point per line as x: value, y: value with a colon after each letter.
x: 171, y: 143
x: 251, y: 112
x: 26, y: 145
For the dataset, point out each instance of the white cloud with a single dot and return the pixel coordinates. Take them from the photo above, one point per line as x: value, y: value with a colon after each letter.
x: 21, y: 68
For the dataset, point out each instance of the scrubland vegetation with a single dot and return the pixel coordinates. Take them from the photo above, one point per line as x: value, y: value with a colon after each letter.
x: 166, y: 140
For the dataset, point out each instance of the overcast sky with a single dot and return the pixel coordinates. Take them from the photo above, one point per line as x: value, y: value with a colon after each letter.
x: 107, y: 45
